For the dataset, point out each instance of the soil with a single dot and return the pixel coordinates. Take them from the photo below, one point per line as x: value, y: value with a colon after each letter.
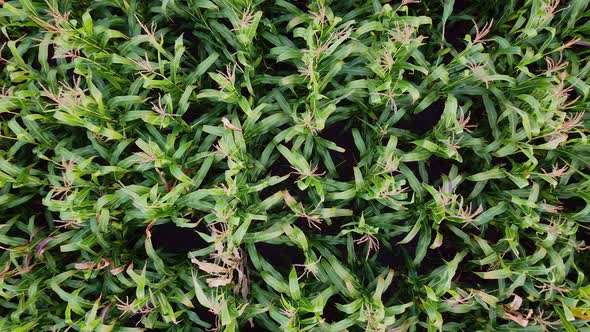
x: 331, y: 313
x: 176, y: 240
x: 423, y: 122
x: 341, y: 134
x: 280, y: 256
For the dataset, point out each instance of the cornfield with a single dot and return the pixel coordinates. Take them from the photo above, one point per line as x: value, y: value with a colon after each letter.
x: 324, y: 165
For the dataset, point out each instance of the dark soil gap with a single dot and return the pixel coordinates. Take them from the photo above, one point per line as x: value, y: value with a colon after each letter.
x: 173, y: 239
x: 280, y: 256
x: 423, y: 122
x: 331, y: 313
x: 341, y: 134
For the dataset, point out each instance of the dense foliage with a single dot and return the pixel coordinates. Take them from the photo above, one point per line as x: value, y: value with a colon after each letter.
x: 345, y: 165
